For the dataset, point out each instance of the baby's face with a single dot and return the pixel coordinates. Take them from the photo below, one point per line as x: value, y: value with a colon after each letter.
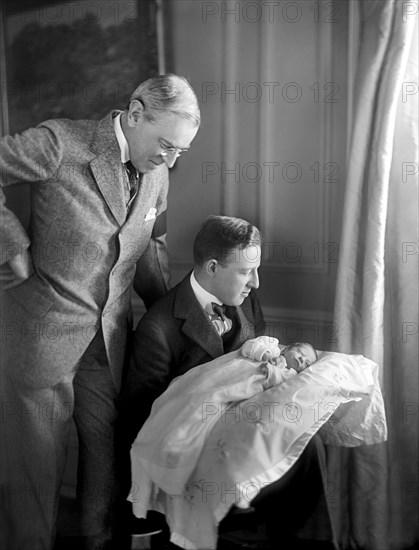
x: 299, y: 357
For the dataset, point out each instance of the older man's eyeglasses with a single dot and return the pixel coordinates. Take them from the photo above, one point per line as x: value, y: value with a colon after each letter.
x: 168, y: 150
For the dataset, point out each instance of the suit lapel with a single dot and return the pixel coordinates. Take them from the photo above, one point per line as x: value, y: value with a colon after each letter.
x: 109, y: 177
x: 245, y: 329
x: 107, y: 168
x: 149, y: 185
x: 197, y: 325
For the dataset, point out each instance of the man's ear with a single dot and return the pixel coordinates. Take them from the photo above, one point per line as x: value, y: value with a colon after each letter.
x: 135, y: 113
x: 211, y: 267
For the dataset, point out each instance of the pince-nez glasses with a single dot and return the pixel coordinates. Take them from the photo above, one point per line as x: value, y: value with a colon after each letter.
x: 170, y: 151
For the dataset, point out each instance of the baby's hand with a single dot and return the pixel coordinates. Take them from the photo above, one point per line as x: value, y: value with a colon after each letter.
x: 267, y: 357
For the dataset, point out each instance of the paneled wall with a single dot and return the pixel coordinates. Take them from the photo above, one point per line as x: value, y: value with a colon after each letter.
x: 271, y: 79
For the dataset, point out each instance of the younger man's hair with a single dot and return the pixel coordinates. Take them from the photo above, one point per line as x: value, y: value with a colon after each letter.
x: 220, y: 235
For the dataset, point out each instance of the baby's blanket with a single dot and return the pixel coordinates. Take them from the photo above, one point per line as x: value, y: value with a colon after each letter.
x: 170, y: 442
x: 239, y: 431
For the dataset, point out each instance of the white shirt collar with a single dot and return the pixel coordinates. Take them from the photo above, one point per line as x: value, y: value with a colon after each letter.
x: 203, y: 296
x: 122, y: 140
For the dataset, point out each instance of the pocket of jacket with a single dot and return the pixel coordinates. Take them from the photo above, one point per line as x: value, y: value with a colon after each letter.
x: 31, y: 296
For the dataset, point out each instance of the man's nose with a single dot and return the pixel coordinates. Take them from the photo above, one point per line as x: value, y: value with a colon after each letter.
x: 254, y: 279
x: 170, y: 159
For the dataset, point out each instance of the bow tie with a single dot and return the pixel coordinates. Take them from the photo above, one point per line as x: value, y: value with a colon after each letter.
x: 221, y: 322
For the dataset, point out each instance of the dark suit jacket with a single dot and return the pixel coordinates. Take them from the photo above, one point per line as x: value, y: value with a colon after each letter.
x: 174, y: 336
x: 86, y: 248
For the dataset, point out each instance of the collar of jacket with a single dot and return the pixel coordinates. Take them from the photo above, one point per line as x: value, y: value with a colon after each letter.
x: 197, y: 324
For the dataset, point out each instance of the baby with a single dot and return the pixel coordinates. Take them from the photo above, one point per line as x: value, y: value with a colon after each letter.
x: 297, y: 356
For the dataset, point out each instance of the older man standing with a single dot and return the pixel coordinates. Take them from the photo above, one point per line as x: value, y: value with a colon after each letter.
x: 98, y: 199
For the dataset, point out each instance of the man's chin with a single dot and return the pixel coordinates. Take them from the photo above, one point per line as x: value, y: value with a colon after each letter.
x: 149, y: 166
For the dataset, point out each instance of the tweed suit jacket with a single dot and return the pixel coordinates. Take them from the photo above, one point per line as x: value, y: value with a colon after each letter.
x: 173, y: 336
x: 87, y: 249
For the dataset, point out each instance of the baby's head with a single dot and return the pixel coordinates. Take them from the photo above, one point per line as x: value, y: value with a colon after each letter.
x: 299, y: 355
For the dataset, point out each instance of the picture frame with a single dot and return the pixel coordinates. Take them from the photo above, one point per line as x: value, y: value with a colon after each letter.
x: 75, y: 59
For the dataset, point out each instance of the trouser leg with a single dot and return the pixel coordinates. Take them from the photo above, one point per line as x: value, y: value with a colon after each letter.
x: 94, y: 415
x: 123, y: 507
x: 35, y: 427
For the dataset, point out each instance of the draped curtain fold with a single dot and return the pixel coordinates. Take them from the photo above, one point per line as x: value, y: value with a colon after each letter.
x: 374, y: 490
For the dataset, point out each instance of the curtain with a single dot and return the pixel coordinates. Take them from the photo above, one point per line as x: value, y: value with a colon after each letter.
x: 373, y: 491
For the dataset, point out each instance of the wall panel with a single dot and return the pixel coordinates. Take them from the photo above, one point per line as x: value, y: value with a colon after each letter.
x: 271, y: 81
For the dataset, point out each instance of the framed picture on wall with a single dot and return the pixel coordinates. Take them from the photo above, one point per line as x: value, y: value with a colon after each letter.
x: 75, y: 59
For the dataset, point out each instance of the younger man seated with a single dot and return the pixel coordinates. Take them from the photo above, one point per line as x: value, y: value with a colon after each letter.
x: 183, y: 330
x: 212, y: 311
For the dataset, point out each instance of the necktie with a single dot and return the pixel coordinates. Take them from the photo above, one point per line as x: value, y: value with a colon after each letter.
x: 219, y: 319
x: 133, y: 178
